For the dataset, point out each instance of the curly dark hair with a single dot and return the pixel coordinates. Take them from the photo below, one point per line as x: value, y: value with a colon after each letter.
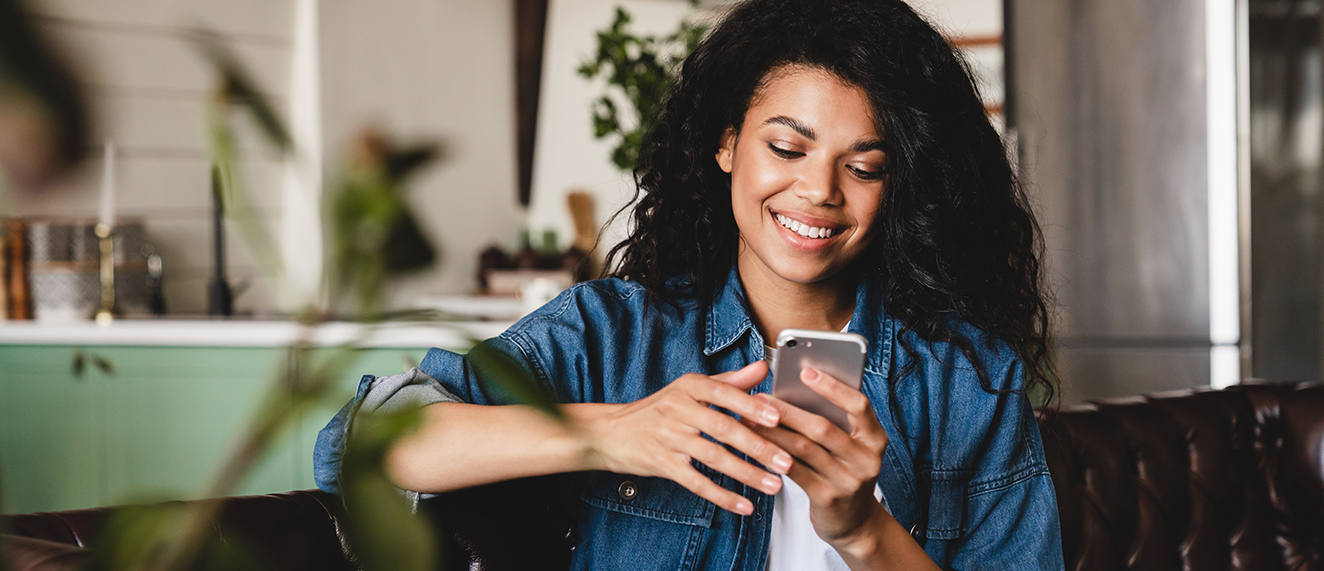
x: 954, y: 235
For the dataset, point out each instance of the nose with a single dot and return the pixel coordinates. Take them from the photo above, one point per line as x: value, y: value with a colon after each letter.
x: 817, y: 184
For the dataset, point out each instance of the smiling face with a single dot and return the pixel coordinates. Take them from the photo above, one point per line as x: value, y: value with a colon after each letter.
x: 806, y: 177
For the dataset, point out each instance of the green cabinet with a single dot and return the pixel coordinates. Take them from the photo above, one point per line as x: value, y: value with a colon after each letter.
x: 158, y: 427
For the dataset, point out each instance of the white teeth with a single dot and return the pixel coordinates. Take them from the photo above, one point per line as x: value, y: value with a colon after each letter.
x: 803, y: 229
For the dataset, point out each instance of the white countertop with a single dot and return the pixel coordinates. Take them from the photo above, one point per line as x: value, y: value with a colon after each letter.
x: 247, y: 333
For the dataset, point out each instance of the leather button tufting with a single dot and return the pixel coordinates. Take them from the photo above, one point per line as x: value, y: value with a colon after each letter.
x: 628, y: 490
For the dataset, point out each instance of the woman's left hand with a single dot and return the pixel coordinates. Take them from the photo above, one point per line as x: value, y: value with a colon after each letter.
x: 838, y: 471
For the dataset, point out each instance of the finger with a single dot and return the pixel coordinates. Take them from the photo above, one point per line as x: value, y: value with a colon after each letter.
x: 729, y: 431
x: 732, y: 398
x: 745, y: 378
x: 809, y: 480
x: 696, y: 482
x: 718, y: 458
x: 842, y: 457
x: 815, y: 427
x: 808, y: 454
x: 863, y: 421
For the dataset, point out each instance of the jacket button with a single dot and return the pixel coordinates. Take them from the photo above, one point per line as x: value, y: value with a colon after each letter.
x: 917, y: 534
x: 628, y: 490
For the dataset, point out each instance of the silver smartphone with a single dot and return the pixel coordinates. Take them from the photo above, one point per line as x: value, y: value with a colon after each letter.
x: 838, y: 354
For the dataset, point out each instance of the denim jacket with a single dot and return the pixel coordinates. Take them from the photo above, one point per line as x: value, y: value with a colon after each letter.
x: 964, y: 468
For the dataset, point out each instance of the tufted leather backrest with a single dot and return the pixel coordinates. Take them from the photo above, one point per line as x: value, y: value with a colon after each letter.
x: 1199, y: 480
x: 290, y: 531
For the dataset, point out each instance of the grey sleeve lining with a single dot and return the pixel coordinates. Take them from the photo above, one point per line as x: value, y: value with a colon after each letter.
x: 410, y: 389
x: 403, y: 391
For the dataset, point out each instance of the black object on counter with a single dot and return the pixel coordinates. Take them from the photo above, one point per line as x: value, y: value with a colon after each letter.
x: 220, y: 298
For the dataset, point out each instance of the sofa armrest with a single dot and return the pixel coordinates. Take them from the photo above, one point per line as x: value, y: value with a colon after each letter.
x: 32, y: 554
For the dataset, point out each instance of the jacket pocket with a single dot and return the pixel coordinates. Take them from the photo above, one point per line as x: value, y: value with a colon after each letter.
x: 654, y: 498
x: 643, y: 524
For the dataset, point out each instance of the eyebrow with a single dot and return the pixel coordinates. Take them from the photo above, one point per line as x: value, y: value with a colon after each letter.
x: 795, y: 124
x: 808, y: 132
x: 867, y: 145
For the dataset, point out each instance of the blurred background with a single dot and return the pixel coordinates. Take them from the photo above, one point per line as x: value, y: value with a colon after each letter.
x: 1172, y: 150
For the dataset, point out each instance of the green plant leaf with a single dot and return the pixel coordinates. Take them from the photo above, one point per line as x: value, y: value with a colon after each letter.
x: 36, y: 86
x: 502, y: 374
x: 135, y: 537
x: 382, y: 529
x: 641, y: 68
x: 239, y: 86
x: 146, y: 537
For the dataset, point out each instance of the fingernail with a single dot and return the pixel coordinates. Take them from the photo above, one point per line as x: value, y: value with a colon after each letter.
x: 781, y: 462
x: 771, y: 484
x: 770, y: 414
x: 809, y: 375
x: 744, y: 508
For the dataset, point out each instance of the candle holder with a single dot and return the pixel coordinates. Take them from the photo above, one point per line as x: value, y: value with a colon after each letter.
x: 107, y: 312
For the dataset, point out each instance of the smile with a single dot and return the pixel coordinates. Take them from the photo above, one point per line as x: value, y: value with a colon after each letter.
x: 804, y: 230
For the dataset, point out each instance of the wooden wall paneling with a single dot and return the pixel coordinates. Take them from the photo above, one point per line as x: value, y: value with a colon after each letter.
x: 185, y: 246
x: 272, y: 19
x: 156, y: 125
x: 161, y: 61
x: 151, y: 186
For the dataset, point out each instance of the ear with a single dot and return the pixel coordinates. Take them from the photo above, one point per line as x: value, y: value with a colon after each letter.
x: 726, y: 150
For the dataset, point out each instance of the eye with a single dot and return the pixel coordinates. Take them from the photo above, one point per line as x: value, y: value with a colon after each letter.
x: 784, y: 153
x: 863, y: 174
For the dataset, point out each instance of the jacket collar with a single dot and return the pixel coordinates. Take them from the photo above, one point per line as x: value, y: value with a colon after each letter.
x: 728, y: 320
x: 728, y: 315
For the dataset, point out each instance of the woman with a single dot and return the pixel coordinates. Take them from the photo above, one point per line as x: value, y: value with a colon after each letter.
x: 819, y: 165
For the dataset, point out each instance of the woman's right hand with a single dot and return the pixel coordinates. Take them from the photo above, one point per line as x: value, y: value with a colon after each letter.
x: 660, y: 434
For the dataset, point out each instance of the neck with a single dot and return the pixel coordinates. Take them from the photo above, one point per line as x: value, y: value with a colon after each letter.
x: 776, y: 304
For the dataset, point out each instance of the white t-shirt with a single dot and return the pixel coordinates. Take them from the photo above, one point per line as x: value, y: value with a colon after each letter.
x: 794, y: 545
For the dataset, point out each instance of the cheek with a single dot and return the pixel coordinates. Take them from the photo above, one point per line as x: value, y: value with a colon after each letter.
x: 760, y: 179
x: 866, y: 215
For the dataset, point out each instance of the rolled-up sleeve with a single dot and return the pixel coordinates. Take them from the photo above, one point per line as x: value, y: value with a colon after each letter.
x: 482, y: 376
x: 410, y: 389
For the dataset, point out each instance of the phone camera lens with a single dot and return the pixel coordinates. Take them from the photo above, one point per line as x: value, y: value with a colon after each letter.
x: 791, y: 343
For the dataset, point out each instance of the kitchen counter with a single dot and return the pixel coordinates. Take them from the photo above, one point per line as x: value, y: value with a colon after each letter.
x: 158, y: 403
x: 246, y: 333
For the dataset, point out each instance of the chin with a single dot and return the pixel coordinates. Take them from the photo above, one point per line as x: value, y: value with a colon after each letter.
x: 799, y: 275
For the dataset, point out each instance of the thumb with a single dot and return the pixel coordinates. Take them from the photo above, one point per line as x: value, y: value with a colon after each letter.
x: 745, y: 378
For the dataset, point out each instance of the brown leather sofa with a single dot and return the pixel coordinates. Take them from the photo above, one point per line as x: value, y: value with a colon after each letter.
x: 1201, y: 480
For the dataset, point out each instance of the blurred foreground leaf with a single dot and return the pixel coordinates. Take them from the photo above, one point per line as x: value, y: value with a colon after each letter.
x: 145, y: 538
x: 513, y: 383
x: 237, y: 86
x: 382, y: 529
x: 43, y: 118
x: 373, y: 232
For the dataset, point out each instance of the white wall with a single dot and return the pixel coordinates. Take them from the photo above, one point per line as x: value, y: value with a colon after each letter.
x: 566, y: 156
x: 962, y: 17
x: 431, y: 70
